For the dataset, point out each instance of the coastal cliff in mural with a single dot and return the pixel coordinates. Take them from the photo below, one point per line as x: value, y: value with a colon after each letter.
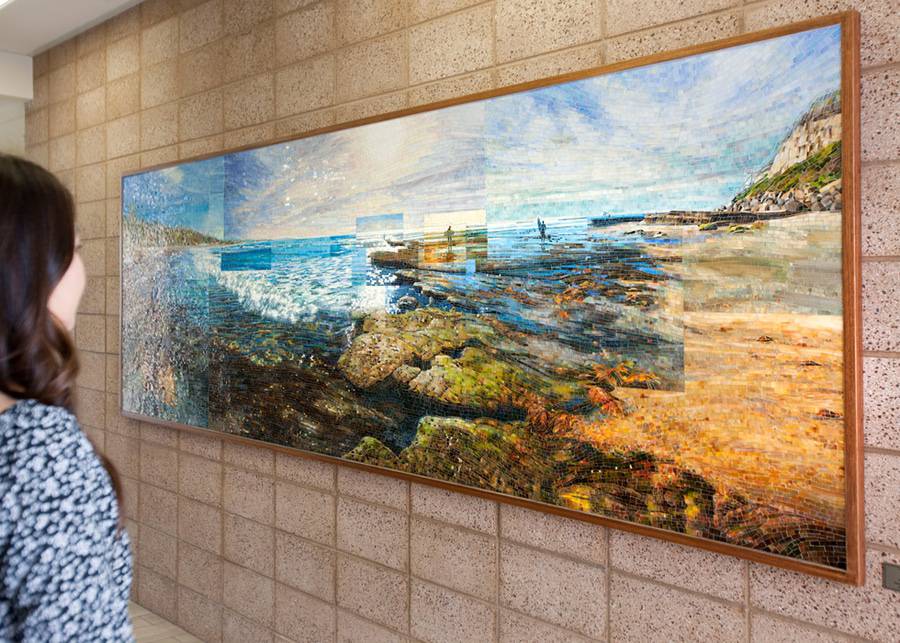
x: 620, y: 294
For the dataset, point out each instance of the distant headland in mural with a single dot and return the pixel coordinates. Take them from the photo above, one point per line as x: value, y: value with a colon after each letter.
x: 620, y: 294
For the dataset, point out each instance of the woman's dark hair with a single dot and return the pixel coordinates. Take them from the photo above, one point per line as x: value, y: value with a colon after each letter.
x: 38, y: 359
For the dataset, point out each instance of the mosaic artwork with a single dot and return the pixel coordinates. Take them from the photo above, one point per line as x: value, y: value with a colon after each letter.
x: 619, y: 294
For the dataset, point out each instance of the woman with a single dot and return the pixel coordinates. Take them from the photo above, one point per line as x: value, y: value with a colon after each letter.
x: 65, y: 562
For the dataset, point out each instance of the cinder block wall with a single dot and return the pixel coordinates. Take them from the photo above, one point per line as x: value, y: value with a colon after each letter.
x: 236, y: 544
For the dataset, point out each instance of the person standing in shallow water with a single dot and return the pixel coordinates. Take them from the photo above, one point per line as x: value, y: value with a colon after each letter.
x: 65, y: 560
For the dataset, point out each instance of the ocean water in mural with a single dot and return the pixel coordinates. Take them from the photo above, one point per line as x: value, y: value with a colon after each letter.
x: 620, y: 294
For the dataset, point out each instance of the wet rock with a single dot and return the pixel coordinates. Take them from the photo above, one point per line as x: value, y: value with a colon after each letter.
x: 407, y: 302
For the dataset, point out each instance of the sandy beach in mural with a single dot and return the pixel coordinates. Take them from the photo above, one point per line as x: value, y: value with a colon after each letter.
x: 574, y: 295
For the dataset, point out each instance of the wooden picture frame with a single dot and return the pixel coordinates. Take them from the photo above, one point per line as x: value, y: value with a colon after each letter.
x: 851, y: 297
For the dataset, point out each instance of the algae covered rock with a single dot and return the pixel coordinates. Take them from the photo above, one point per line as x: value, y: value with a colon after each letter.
x: 371, y: 451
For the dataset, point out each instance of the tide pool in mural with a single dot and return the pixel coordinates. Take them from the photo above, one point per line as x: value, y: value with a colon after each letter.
x: 619, y: 294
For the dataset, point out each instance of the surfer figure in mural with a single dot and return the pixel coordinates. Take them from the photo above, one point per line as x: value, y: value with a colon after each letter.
x: 542, y: 230
x: 449, y: 235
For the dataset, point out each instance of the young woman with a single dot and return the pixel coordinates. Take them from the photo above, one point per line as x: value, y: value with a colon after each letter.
x: 65, y: 561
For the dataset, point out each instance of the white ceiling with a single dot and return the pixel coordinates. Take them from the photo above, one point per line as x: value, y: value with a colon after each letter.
x: 29, y: 27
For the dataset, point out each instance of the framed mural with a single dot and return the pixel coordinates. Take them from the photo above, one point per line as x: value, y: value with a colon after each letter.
x: 628, y: 295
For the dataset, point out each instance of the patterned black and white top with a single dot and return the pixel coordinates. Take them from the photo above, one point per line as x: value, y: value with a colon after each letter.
x: 65, y: 567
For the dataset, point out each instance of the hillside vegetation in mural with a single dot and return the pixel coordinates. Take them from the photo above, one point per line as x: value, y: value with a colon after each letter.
x: 620, y: 294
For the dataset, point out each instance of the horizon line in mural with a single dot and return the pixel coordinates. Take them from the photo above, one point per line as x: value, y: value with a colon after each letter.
x: 620, y: 294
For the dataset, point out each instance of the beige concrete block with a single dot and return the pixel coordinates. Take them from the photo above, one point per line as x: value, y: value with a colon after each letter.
x: 90, y: 40
x: 351, y: 628
x: 360, y: 20
x: 124, y: 453
x: 113, y: 377
x: 420, y: 10
x: 92, y: 304
x: 256, y: 136
x: 682, y: 34
x: 881, y: 305
x: 200, y: 115
x: 93, y: 253
x: 688, y: 567
x: 201, y: 571
x: 452, y: 45
x: 37, y: 127
x: 159, y: 84
x: 159, y: 126
x: 158, y: 434
x: 531, y: 27
x: 561, y: 535
x: 91, y: 182
x: 304, y: 33
x: 249, y: 53
x: 304, y: 565
x: 90, y: 333
x: 200, y: 525
x: 159, y: 508
x: 688, y: 616
x: 62, y: 54
x: 880, y: 24
x: 765, y: 628
x: 153, y: 11
x: 313, y: 473
x: 302, y: 617
x: 457, y: 508
x: 159, y: 42
x: 286, y: 6
x: 250, y: 102
x: 62, y: 120
x: 159, y: 466
x: 882, y: 496
x: 159, y: 552
x: 201, y: 69
x: 199, y: 615
x: 123, y: 24
x: 62, y: 83
x: 250, y: 544
x: 373, y: 532
x: 62, y: 152
x: 373, y: 591
x: 305, y: 86
x: 90, y: 221
x: 550, y: 65
x: 870, y: 611
x: 40, y: 93
x: 372, y: 67
x: 451, y: 88
x: 881, y: 386
x: 90, y: 71
x: 629, y: 15
x: 443, y: 616
x: 249, y: 594
x: 123, y: 136
x: 249, y: 457
x: 558, y: 590
x: 90, y: 108
x: 114, y: 218
x: 373, y: 487
x: 41, y: 63
x: 241, y: 16
x: 200, y: 479
x: 249, y: 494
x: 123, y: 57
x: 238, y: 629
x: 113, y: 262
x: 304, y: 512
x: 130, y: 495
x: 375, y: 106
x: 91, y: 145
x: 880, y: 195
x: 518, y: 628
x: 123, y: 96
x: 67, y: 178
x: 113, y: 334
x: 200, y: 25
x: 115, y: 168
x: 157, y: 593
x: 305, y: 123
x: 91, y: 407
x: 880, y: 127
x: 200, y: 147
x: 455, y: 558
x: 207, y: 446
x: 159, y: 156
